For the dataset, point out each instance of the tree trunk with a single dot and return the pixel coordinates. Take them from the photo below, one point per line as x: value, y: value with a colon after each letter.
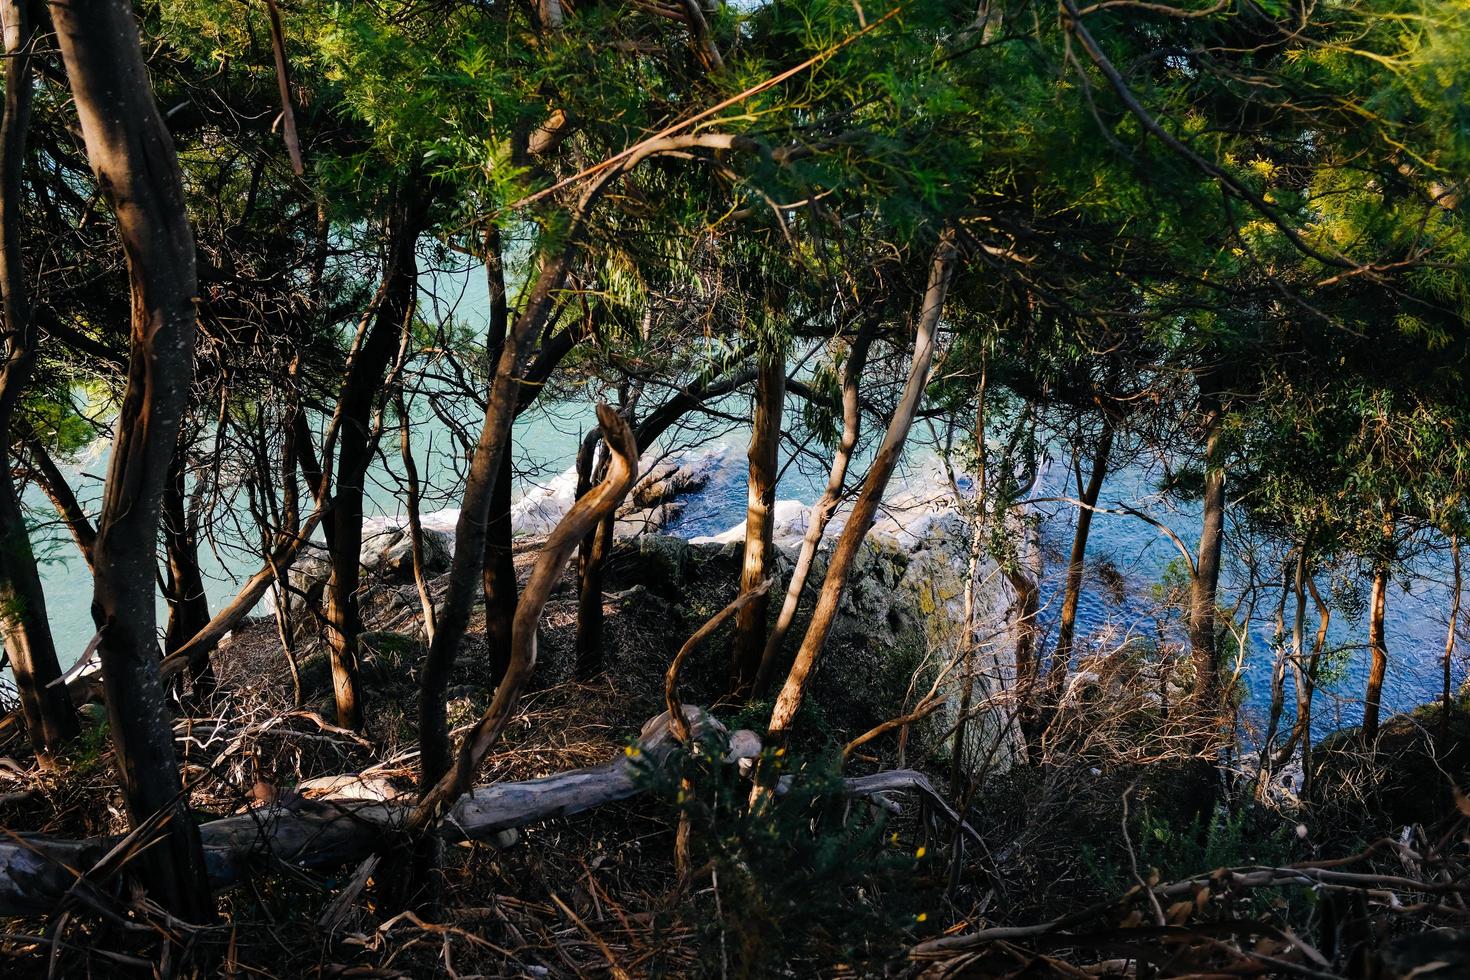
x: 865, y: 508
x: 188, y: 606
x: 596, y: 548
x: 454, y: 781
x: 1377, y: 641
x: 50, y: 720
x: 764, y: 456
x: 592, y: 559
x: 499, y: 574
x: 1205, y: 582
x: 959, y: 769
x: 415, y: 525
x: 1449, y: 643
x: 826, y: 506
x: 1307, y: 685
x: 1077, y: 562
x: 63, y: 498
x: 355, y: 447
x: 138, y: 172
x: 466, y: 574
x: 499, y: 577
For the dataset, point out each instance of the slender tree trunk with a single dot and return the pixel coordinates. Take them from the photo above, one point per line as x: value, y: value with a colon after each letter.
x: 1449, y: 642
x: 1301, y: 675
x: 63, y: 498
x: 1205, y: 582
x: 865, y: 508
x: 415, y: 526
x: 764, y: 456
x: 50, y: 720
x: 1278, y: 664
x: 355, y: 446
x: 499, y: 574
x: 1377, y: 639
x: 1308, y: 684
x: 188, y: 606
x: 138, y: 171
x: 960, y: 773
x: 1077, y: 562
x: 500, y: 577
x: 466, y: 575
x: 438, y: 796
x: 592, y: 559
x: 826, y: 505
x: 597, y: 546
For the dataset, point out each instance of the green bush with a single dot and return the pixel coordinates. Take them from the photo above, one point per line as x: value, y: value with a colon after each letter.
x: 806, y: 878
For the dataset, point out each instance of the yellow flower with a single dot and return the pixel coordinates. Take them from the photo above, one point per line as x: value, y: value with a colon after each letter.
x: 780, y: 752
x: 921, y: 852
x: 631, y: 751
x: 922, y: 917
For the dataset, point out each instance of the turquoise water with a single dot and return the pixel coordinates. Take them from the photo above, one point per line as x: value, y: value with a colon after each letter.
x: 545, y: 445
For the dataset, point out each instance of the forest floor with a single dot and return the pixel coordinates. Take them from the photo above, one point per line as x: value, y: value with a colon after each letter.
x: 815, y: 891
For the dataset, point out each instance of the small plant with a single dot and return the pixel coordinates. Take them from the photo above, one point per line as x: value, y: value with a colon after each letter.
x: 804, y: 876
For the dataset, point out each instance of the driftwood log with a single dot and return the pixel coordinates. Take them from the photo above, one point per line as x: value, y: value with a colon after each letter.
x: 37, y: 872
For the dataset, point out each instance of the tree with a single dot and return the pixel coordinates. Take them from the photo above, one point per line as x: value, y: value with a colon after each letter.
x: 137, y: 169
x: 50, y: 720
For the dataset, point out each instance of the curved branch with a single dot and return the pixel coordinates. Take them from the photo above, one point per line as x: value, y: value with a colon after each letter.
x: 582, y: 518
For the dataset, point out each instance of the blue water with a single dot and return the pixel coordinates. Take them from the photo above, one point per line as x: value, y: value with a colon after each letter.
x: 545, y: 445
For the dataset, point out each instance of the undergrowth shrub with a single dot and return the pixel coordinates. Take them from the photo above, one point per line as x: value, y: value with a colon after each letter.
x: 806, y: 878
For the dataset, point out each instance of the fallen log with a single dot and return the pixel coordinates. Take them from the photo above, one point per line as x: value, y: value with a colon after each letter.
x: 37, y: 872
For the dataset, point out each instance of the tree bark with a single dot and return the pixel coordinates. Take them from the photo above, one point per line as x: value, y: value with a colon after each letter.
x: 592, y: 560
x: 138, y: 172
x: 50, y: 720
x: 466, y: 576
x: 1077, y: 561
x: 500, y: 577
x: 1377, y: 637
x: 188, y: 606
x: 865, y: 508
x: 360, y: 390
x: 1205, y: 581
x: 826, y: 505
x: 499, y: 574
x: 760, y: 501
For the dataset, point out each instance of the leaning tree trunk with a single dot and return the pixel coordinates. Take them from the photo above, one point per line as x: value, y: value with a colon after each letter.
x: 188, y: 606
x: 138, y: 172
x: 1205, y: 583
x: 1377, y: 637
x: 63, y: 498
x: 865, y: 508
x: 455, y: 780
x: 355, y: 448
x: 1077, y: 561
x: 50, y: 720
x: 826, y: 506
x: 760, y: 517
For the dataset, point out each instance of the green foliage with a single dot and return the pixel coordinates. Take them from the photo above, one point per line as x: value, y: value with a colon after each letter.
x: 803, y: 880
